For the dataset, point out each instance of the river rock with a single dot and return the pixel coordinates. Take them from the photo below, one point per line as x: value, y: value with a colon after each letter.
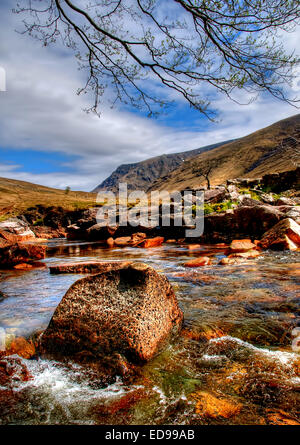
x: 132, y: 311
x: 91, y: 267
x: 198, y: 262
x: 100, y: 232
x: 152, y: 242
x: 242, y: 245
x: 283, y: 236
x: 12, y: 254
x: 16, y: 230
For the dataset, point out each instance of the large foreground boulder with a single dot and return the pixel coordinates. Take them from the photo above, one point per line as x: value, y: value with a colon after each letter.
x: 285, y: 235
x: 131, y: 311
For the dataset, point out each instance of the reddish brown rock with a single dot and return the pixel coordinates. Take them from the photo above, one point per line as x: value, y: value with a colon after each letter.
x: 123, y: 241
x: 152, y: 242
x: 23, y: 266
x: 138, y: 237
x: 45, y: 232
x: 21, y: 347
x: 208, y: 405
x: 248, y: 254
x: 12, y: 254
x: 229, y: 261
x: 198, y: 262
x: 241, y: 245
x: 12, y: 369
x: 285, y: 235
x: 91, y: 267
x: 132, y: 311
x: 100, y: 232
x: 110, y: 242
x: 16, y: 231
x: 193, y: 246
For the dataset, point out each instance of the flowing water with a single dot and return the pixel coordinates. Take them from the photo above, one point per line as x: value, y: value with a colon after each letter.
x: 233, y: 363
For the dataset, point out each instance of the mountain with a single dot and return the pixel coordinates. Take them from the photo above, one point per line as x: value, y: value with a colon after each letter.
x: 17, y: 196
x: 269, y: 150
x: 141, y: 175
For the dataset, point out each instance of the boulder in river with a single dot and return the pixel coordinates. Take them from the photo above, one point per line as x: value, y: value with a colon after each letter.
x: 16, y: 231
x: 131, y: 311
x: 91, y: 267
x: 285, y: 235
x: 12, y: 254
x: 198, y: 262
x: 242, y: 245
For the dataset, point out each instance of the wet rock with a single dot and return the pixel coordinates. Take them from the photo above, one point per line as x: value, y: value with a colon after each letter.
x: 194, y: 246
x: 45, y: 232
x: 91, y: 267
x: 74, y: 232
x: 229, y: 261
x: 123, y: 241
x: 248, y: 254
x: 283, y: 236
x: 98, y: 232
x: 132, y: 311
x: 22, y: 348
x: 280, y: 417
x: 16, y: 231
x: 110, y: 242
x: 12, y: 254
x: 208, y: 405
x: 12, y: 369
x: 198, y: 262
x: 241, y: 245
x: 138, y: 237
x: 152, y: 242
x: 23, y: 266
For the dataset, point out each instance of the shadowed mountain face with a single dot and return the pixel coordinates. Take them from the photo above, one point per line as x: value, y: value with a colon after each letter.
x: 273, y: 149
x: 141, y: 175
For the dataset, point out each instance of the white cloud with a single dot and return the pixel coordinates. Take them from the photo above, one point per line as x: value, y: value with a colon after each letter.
x: 41, y: 111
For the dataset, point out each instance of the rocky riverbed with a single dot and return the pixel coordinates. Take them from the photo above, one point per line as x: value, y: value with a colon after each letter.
x: 233, y: 362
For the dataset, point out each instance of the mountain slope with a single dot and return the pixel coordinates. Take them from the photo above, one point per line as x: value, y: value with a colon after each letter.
x: 269, y: 150
x: 16, y: 196
x: 141, y: 175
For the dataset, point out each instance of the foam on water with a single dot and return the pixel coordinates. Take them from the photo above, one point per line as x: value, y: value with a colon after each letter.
x: 283, y: 357
x: 66, y: 383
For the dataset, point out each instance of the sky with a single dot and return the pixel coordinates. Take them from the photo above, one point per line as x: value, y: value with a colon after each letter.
x: 47, y: 138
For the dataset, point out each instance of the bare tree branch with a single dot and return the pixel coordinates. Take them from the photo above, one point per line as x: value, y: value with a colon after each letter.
x: 150, y: 52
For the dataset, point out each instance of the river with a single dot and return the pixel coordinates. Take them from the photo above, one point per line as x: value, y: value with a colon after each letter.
x: 232, y: 364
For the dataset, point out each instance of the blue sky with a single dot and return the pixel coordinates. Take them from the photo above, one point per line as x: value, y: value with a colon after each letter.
x: 47, y: 138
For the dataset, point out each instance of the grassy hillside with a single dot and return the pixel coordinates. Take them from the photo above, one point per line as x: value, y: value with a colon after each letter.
x: 252, y: 156
x: 16, y: 196
x: 141, y: 175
